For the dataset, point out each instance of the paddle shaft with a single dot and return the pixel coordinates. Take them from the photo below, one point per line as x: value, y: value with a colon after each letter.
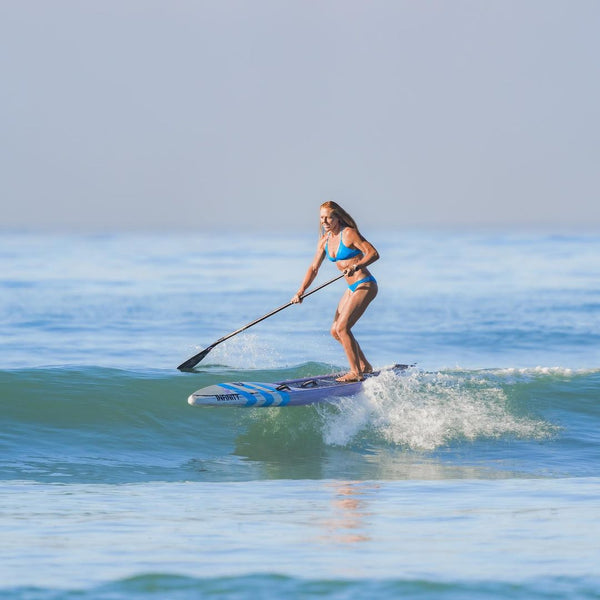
x: 192, y: 362
x: 273, y: 312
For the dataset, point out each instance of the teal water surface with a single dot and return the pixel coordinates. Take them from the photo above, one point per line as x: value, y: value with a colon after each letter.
x: 473, y: 475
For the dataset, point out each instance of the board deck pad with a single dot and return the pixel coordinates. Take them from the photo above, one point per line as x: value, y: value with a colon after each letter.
x: 293, y: 392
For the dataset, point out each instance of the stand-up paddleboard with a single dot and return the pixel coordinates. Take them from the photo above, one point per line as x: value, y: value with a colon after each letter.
x: 295, y: 392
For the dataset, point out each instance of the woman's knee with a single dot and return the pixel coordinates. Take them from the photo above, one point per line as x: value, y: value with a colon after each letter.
x: 340, y: 330
x: 334, y: 332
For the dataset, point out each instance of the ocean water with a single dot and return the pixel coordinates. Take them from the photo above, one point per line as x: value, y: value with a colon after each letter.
x: 476, y: 474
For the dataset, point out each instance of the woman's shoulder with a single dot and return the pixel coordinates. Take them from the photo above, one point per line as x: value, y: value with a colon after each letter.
x: 350, y: 234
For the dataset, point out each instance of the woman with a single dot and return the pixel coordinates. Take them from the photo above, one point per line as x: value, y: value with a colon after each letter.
x: 343, y: 244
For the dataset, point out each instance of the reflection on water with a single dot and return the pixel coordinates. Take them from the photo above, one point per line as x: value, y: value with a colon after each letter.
x: 346, y: 524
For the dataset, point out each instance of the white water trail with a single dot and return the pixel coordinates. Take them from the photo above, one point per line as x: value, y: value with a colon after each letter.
x: 423, y: 411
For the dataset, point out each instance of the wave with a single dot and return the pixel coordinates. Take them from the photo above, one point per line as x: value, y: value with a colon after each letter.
x: 139, y: 421
x: 181, y: 587
x: 427, y: 410
x: 418, y: 409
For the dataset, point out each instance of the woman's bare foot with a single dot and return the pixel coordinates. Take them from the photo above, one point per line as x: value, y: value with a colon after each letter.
x: 349, y: 377
x: 367, y: 368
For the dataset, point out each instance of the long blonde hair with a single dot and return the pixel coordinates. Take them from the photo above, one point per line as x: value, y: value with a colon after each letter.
x: 345, y: 219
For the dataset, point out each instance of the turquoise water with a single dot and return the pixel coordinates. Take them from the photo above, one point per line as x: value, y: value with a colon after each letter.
x: 474, y: 475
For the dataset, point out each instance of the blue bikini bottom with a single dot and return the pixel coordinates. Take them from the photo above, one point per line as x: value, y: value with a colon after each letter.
x: 352, y: 287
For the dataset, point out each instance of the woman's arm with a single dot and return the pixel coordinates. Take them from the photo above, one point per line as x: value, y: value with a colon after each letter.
x: 311, y: 273
x: 370, y: 254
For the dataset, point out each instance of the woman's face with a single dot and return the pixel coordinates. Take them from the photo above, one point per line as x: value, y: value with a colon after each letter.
x: 329, y: 221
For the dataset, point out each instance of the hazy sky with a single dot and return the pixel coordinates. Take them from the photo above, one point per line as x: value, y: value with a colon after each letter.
x: 187, y: 113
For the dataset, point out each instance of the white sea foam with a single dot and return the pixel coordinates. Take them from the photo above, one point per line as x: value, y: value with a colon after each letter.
x: 424, y: 411
x: 247, y: 351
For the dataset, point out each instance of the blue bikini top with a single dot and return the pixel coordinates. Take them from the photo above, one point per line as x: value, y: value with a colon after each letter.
x: 343, y: 252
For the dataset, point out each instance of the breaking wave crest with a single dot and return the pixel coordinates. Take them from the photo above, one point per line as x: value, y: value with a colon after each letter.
x: 423, y: 411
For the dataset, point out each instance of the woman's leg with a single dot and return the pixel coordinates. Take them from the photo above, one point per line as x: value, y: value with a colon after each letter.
x: 350, y: 309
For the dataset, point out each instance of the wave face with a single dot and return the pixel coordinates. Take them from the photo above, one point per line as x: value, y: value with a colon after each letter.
x: 98, y: 424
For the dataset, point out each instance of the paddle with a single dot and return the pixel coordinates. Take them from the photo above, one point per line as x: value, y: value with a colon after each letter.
x: 190, y: 363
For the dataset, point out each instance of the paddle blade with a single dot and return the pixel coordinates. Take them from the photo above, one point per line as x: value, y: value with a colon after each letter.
x: 190, y: 363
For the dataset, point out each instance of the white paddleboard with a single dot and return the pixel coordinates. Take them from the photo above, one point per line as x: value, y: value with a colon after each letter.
x: 294, y: 392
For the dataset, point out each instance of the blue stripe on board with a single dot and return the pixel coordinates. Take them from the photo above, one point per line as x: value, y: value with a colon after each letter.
x: 268, y: 397
x: 251, y: 398
x: 285, y: 397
